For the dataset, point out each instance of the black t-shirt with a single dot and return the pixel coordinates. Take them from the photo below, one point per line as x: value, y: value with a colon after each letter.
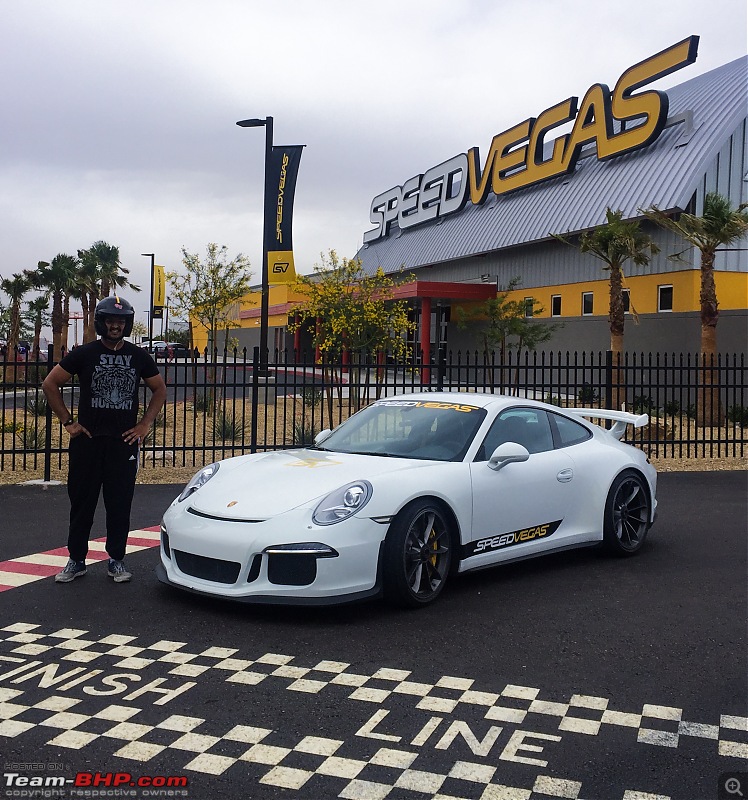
x: 109, y: 382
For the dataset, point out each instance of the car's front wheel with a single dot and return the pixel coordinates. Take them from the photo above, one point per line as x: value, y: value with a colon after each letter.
x: 417, y: 555
x: 627, y: 513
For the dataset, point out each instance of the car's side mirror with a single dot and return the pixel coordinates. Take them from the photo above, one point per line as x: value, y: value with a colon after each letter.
x: 507, y: 453
x: 322, y: 435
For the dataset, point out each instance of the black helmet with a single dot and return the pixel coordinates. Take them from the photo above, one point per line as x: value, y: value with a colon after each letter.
x: 113, y: 307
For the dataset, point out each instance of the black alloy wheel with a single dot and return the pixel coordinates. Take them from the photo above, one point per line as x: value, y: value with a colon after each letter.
x: 417, y: 555
x: 627, y: 513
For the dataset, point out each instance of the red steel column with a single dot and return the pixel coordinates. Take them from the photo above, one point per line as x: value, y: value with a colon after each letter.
x: 425, y: 339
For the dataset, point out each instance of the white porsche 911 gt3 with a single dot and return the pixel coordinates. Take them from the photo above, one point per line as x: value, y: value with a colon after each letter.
x: 406, y: 492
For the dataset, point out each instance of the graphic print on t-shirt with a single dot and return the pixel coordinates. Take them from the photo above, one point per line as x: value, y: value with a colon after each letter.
x: 113, y: 383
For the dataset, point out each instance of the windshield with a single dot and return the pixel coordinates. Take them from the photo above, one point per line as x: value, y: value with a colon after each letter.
x: 409, y: 429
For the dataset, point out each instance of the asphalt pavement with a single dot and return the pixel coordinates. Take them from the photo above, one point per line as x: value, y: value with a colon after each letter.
x: 576, y: 675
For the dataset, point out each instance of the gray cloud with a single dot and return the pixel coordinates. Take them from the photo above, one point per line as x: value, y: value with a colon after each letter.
x: 119, y: 114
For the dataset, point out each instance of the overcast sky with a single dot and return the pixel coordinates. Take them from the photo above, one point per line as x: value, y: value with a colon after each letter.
x: 119, y: 115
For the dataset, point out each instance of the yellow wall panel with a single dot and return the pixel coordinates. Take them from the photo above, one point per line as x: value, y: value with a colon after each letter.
x: 732, y: 293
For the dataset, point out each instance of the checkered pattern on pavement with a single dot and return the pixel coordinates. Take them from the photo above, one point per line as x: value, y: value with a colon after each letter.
x: 320, y: 764
x: 313, y: 762
x: 657, y: 725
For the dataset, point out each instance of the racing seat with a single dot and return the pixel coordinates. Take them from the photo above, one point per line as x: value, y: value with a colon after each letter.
x: 507, y: 429
x: 421, y: 434
x: 514, y: 429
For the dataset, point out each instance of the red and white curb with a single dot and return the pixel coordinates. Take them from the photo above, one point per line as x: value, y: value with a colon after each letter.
x: 27, y: 569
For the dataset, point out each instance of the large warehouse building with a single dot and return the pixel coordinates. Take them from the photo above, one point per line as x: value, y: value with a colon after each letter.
x: 701, y: 148
x: 479, y: 220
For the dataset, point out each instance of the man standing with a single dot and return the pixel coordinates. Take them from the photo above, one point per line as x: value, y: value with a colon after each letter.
x: 105, y: 439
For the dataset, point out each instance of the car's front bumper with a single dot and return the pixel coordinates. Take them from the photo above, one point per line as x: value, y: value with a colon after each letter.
x: 273, y: 599
x: 230, y: 559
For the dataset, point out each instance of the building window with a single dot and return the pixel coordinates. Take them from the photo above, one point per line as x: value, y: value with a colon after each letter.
x: 555, y: 305
x: 665, y: 298
x: 528, y: 306
x: 587, y: 303
x: 626, y: 301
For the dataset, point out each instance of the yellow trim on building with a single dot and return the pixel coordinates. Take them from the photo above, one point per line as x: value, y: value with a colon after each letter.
x: 278, y: 295
x: 732, y: 293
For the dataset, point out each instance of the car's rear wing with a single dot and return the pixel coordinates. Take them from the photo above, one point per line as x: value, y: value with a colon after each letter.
x: 621, y: 418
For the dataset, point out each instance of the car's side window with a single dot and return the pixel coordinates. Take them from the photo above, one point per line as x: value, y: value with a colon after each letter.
x: 569, y: 432
x: 529, y: 427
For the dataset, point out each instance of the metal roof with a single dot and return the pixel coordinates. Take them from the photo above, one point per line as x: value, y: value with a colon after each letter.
x: 665, y: 174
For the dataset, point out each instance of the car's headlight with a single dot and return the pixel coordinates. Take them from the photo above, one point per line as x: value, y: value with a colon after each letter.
x: 198, y: 480
x: 342, y: 503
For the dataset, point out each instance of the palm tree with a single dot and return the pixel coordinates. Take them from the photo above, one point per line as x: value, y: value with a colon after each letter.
x: 111, y: 273
x: 15, y: 287
x: 87, y: 290
x: 58, y: 277
x: 101, y: 273
x: 719, y: 226
x: 38, y: 312
x: 614, y: 243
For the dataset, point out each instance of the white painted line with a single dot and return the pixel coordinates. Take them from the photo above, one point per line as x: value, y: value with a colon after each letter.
x: 43, y: 558
x: 18, y: 578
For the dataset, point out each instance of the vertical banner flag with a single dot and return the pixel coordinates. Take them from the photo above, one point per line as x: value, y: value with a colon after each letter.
x: 159, y: 292
x: 284, y: 167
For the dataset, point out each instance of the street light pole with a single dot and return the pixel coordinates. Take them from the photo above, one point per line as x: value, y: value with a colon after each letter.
x: 152, y: 256
x: 267, y: 123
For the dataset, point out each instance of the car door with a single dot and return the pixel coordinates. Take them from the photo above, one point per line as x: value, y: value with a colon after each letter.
x: 522, y: 507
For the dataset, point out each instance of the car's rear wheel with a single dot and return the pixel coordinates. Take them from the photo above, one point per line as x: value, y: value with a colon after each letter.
x: 627, y: 513
x: 417, y: 555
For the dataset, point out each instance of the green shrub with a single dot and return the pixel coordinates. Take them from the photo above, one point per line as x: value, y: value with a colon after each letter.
x: 37, y: 406
x: 303, y: 434
x: 32, y: 438
x: 587, y: 394
x: 738, y: 415
x: 643, y: 404
x: 227, y: 429
x: 671, y: 408
x: 311, y: 396
x: 203, y: 401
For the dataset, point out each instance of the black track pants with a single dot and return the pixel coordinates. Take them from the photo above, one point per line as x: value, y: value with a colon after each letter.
x: 107, y: 463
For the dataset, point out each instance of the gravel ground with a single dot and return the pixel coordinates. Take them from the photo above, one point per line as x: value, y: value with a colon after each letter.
x: 180, y: 475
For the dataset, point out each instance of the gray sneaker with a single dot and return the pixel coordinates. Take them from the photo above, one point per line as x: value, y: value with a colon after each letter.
x: 118, y: 571
x: 73, y: 569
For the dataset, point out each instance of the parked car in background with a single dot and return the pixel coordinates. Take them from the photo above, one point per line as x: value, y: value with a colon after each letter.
x: 154, y: 346
x: 23, y: 350
x: 168, y: 350
x: 180, y: 350
x: 171, y: 350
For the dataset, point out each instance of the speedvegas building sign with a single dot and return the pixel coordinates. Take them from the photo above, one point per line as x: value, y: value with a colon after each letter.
x: 617, y: 122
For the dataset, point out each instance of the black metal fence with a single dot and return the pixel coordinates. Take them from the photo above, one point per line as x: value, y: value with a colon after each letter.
x: 227, y: 404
